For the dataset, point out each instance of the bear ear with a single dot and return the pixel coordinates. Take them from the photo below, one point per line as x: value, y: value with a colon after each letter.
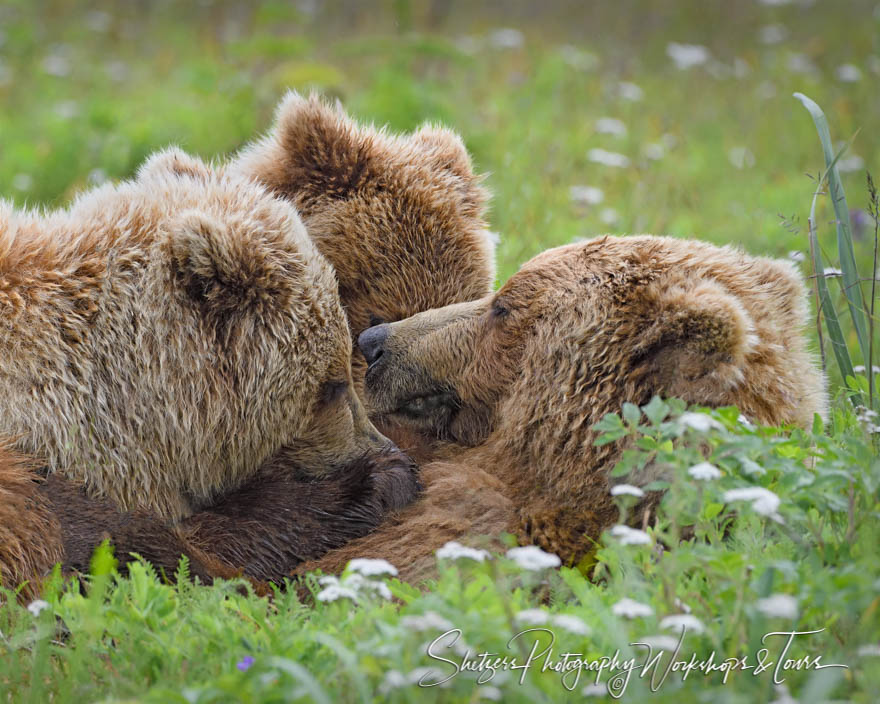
x: 224, y: 271
x: 445, y: 150
x: 696, y: 341
x: 173, y: 162
x: 317, y: 145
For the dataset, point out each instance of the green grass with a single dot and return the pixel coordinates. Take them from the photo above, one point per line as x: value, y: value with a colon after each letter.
x: 86, y: 94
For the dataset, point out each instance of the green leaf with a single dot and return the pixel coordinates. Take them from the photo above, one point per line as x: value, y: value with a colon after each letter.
x: 711, y: 510
x: 632, y: 413
x: 656, y: 410
x: 851, y: 283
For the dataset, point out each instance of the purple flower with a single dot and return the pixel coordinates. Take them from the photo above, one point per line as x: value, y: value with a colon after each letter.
x: 245, y: 663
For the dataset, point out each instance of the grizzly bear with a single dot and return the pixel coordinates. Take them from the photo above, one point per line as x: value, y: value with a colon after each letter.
x: 522, y: 376
x: 165, y: 336
x: 400, y: 217
x: 169, y: 339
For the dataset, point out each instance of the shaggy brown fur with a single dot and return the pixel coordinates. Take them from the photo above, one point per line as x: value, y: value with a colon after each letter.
x: 165, y: 336
x: 30, y: 542
x: 263, y: 530
x: 400, y: 217
x: 524, y: 374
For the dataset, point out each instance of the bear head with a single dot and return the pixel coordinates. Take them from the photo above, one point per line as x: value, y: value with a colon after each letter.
x: 580, y: 330
x: 399, y: 217
x: 167, y: 335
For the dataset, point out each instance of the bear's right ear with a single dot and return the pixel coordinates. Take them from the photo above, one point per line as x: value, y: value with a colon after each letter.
x: 173, y: 162
x: 224, y: 271
x: 445, y: 150
x: 312, y: 149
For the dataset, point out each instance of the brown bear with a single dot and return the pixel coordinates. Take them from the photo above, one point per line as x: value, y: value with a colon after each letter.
x: 523, y: 375
x: 165, y: 336
x: 400, y: 217
x: 169, y: 339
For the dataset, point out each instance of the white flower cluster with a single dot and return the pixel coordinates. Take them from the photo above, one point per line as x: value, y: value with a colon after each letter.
x: 356, y: 584
x: 532, y: 558
x: 868, y: 417
x: 763, y: 500
x: 456, y: 551
x: 630, y: 536
x: 539, y: 617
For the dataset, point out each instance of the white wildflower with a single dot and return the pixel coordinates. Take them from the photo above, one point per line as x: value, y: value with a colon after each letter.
x: 680, y: 622
x: 56, y: 65
x: 369, y: 567
x: 97, y: 176
x: 468, y: 44
x: 116, y: 70
x: 773, y: 33
x: 335, y: 592
x: 631, y: 609
x: 22, y: 182
x: 595, y: 690
x: 572, y: 624
x: 609, y: 216
x: 831, y: 272
x: 679, y: 604
x: 66, y: 109
x: 860, y: 369
x: 797, y: 256
x: 506, y: 38
x: 426, y: 675
x: 654, y: 151
x: 764, y: 91
x: 741, y: 68
x: 745, y: 422
x: 687, y: 56
x: 763, y: 500
x: 98, y: 21
x: 428, y: 621
x: 741, y: 157
x: 586, y: 195
x: 606, y: 158
x: 849, y: 73
x: 630, y: 536
x: 490, y: 692
x: 394, y: 679
x: 848, y: 164
x: 783, y: 696
x: 700, y: 422
x: 660, y: 642
x: 578, y: 59
x: 800, y: 63
x: 869, y: 650
x: 778, y: 606
x: 35, y: 607
x: 704, y: 471
x: 533, y: 558
x: 630, y: 91
x: 612, y: 126
x: 456, y: 551
x: 533, y: 617
x: 627, y: 490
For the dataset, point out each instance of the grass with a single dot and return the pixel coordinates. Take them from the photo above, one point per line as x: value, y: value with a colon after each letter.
x: 720, y: 151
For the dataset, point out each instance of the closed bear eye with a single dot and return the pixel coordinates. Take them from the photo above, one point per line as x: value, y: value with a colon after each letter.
x: 332, y: 391
x: 499, y: 310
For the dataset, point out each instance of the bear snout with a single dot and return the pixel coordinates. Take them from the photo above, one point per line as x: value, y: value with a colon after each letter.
x: 372, y: 342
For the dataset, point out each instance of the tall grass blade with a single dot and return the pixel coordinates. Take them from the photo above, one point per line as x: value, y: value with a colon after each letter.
x: 851, y: 283
x: 826, y: 305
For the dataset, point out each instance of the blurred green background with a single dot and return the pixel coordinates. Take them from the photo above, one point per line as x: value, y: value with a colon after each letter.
x: 688, y: 103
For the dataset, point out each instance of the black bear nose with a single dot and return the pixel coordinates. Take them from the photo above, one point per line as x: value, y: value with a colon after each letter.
x: 372, y: 341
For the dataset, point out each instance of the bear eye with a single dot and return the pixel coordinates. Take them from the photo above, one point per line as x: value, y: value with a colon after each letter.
x: 499, y: 310
x: 332, y: 391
